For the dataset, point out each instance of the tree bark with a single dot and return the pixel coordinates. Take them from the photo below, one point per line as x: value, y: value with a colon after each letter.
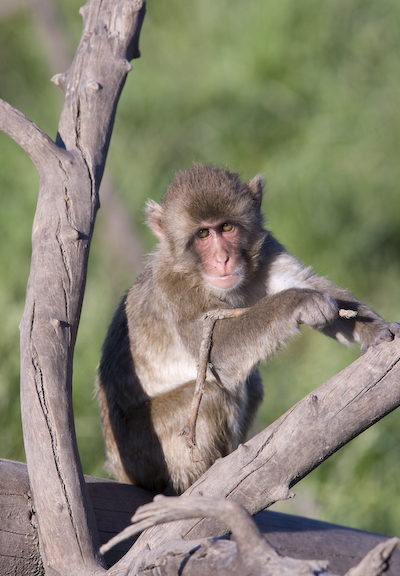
x: 70, y: 173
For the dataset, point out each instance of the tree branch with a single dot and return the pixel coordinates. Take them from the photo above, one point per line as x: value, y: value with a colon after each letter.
x: 24, y: 132
x: 208, y: 322
x: 252, y: 555
x: 377, y: 561
x: 263, y: 470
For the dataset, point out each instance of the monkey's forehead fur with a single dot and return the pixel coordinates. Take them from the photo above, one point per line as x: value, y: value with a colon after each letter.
x: 208, y: 193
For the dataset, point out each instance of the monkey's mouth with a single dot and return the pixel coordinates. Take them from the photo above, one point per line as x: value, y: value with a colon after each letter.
x: 225, y: 282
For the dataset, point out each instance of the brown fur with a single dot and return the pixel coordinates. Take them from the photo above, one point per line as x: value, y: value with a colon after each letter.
x: 146, y: 376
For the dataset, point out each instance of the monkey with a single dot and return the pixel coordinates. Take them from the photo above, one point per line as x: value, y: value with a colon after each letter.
x: 213, y: 253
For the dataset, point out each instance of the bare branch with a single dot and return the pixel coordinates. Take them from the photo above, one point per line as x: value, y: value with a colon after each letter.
x: 253, y: 555
x: 163, y: 509
x: 24, y: 132
x: 70, y: 173
x: 208, y: 321
x: 264, y: 469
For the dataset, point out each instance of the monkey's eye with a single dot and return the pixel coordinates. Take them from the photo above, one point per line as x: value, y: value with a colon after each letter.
x: 227, y: 227
x: 203, y: 233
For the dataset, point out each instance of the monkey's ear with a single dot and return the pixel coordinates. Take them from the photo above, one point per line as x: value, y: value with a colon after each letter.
x: 256, y: 186
x: 155, y: 214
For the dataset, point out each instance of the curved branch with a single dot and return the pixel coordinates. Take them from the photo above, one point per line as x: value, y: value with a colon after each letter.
x: 167, y: 509
x: 253, y: 554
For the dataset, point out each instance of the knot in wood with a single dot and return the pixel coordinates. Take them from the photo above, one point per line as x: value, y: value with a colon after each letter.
x: 94, y: 86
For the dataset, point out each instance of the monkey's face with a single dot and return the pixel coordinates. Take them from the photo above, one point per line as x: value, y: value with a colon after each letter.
x: 210, y: 227
x: 218, y: 247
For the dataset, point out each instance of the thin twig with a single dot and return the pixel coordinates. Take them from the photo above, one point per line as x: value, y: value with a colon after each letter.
x: 208, y: 320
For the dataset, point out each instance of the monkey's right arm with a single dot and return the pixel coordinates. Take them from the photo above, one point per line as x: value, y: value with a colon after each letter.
x: 367, y: 328
x: 240, y: 344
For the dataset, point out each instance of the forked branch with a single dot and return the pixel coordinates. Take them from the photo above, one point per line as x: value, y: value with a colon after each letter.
x: 70, y: 173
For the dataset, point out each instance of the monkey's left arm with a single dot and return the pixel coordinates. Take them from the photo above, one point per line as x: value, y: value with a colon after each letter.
x: 367, y: 328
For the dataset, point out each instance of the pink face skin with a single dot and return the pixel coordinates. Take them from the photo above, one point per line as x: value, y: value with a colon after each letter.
x: 218, y: 246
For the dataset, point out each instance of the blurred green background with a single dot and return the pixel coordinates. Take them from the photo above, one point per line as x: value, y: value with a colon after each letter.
x: 305, y: 92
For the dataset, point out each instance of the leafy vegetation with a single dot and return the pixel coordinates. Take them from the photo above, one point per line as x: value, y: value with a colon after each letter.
x: 306, y: 93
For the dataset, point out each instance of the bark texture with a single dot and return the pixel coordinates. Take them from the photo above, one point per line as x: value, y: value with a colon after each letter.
x: 70, y: 172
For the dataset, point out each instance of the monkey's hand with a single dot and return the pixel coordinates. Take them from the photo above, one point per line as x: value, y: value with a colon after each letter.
x: 373, y: 331
x: 316, y: 309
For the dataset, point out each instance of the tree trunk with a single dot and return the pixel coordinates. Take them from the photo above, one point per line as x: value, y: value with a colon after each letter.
x: 70, y: 172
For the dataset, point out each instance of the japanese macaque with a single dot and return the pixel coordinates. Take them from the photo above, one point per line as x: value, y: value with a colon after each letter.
x: 213, y: 253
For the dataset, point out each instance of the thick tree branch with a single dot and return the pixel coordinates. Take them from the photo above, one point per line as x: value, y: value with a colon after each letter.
x: 264, y: 469
x: 94, y: 82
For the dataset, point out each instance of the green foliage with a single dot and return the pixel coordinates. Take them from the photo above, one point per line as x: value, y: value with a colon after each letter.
x: 305, y: 92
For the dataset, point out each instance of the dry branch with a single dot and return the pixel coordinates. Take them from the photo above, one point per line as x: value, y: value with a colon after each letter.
x: 264, y: 469
x: 377, y: 561
x: 208, y: 322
